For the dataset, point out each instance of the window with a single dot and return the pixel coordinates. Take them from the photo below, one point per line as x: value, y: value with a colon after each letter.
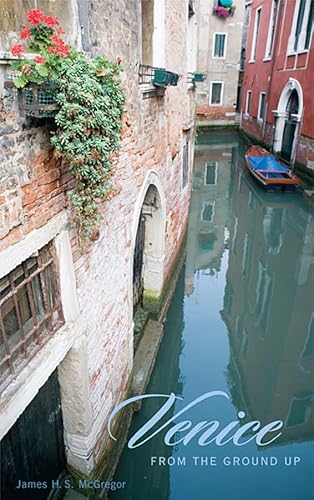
x: 263, y: 295
x: 147, y: 31
x: 30, y: 310
x: 299, y: 24
x: 219, y: 45
x: 216, y: 91
x: 210, y: 173
x: 255, y: 33
x: 153, y: 33
x: 271, y: 30
x: 246, y: 255
x: 309, y: 27
x: 248, y: 102
x: 261, y: 106
x: 185, y: 165
x: 302, y: 27
x: 208, y: 211
x: 191, y: 53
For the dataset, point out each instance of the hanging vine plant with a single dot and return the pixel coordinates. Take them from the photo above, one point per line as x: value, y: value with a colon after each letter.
x: 91, y: 106
x: 89, y: 126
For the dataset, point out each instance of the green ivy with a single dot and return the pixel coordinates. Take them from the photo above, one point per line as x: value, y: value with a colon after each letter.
x: 89, y: 126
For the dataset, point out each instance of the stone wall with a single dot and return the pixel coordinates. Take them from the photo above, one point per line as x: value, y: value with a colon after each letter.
x: 34, y: 186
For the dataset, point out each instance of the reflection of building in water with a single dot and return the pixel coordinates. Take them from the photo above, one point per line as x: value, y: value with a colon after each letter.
x: 268, y: 309
x: 209, y: 208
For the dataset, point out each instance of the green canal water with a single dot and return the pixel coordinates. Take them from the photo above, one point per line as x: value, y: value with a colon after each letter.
x: 241, y: 321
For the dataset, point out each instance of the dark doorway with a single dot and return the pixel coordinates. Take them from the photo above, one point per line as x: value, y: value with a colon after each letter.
x: 138, y: 282
x: 33, y: 450
x: 290, y: 126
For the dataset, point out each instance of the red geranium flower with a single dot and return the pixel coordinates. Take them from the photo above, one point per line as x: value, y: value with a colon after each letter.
x: 35, y: 16
x: 58, y: 47
x: 17, y: 49
x: 25, y: 33
x: 50, y: 21
x: 60, y: 31
x: 40, y: 60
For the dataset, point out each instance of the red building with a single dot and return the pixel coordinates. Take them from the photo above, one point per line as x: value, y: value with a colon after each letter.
x: 277, y: 95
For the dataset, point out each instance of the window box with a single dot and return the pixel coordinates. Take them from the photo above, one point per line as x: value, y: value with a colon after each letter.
x: 174, y: 79
x: 199, y: 77
x: 223, y: 8
x: 163, y: 78
x: 37, y: 101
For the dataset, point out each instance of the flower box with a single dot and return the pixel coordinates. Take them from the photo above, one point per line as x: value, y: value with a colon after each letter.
x: 163, y: 78
x: 223, y: 12
x: 37, y: 100
x: 199, y: 77
x: 174, y: 79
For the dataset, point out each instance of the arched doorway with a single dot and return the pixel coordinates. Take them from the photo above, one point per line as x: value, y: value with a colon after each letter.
x: 148, y: 255
x: 288, y: 119
x: 290, y: 126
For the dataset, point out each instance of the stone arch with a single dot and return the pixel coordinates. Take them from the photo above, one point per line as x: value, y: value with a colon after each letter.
x: 151, y: 205
x: 292, y: 87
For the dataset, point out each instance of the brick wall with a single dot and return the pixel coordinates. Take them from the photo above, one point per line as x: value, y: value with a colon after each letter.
x: 34, y: 186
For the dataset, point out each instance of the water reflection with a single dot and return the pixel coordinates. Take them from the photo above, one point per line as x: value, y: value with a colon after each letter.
x: 241, y: 321
x: 268, y: 308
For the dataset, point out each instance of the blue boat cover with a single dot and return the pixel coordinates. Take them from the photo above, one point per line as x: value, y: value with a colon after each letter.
x: 266, y: 163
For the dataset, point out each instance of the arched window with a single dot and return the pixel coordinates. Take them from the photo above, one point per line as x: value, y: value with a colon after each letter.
x: 293, y: 104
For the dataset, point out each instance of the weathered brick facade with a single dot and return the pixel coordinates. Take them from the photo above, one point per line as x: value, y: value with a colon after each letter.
x: 34, y: 184
x: 279, y: 66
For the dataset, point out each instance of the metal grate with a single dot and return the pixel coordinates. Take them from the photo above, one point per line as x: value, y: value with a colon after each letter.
x: 30, y: 311
x: 37, y: 101
x: 146, y: 74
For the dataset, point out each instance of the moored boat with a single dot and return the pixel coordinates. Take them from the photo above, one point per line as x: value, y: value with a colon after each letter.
x: 268, y: 171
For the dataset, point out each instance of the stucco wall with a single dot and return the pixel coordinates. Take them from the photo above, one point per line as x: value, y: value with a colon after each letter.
x: 227, y: 69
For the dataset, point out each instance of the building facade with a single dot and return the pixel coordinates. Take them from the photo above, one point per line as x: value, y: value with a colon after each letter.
x: 277, y: 103
x: 67, y: 315
x: 218, y: 58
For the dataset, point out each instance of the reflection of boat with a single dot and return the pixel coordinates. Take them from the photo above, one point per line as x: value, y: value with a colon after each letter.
x: 269, y: 172
x: 273, y: 199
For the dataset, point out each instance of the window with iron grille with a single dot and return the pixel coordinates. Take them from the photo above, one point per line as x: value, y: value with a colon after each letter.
x: 30, y: 310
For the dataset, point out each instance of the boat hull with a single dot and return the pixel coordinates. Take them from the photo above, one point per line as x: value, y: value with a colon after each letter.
x: 273, y: 175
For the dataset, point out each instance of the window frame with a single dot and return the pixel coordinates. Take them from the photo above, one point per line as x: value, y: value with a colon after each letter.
x: 207, y: 164
x: 204, y: 205
x: 259, y: 118
x: 185, y: 163
x: 300, y: 48
x: 269, y: 50
x: 257, y: 24
x: 221, y: 93
x: 220, y: 33
x: 248, y: 102
x: 38, y: 272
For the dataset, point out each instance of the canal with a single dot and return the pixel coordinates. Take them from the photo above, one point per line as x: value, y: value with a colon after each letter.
x: 241, y: 322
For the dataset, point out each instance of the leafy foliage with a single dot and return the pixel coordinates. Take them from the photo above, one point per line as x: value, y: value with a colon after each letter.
x: 89, y: 126
x: 91, y: 106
